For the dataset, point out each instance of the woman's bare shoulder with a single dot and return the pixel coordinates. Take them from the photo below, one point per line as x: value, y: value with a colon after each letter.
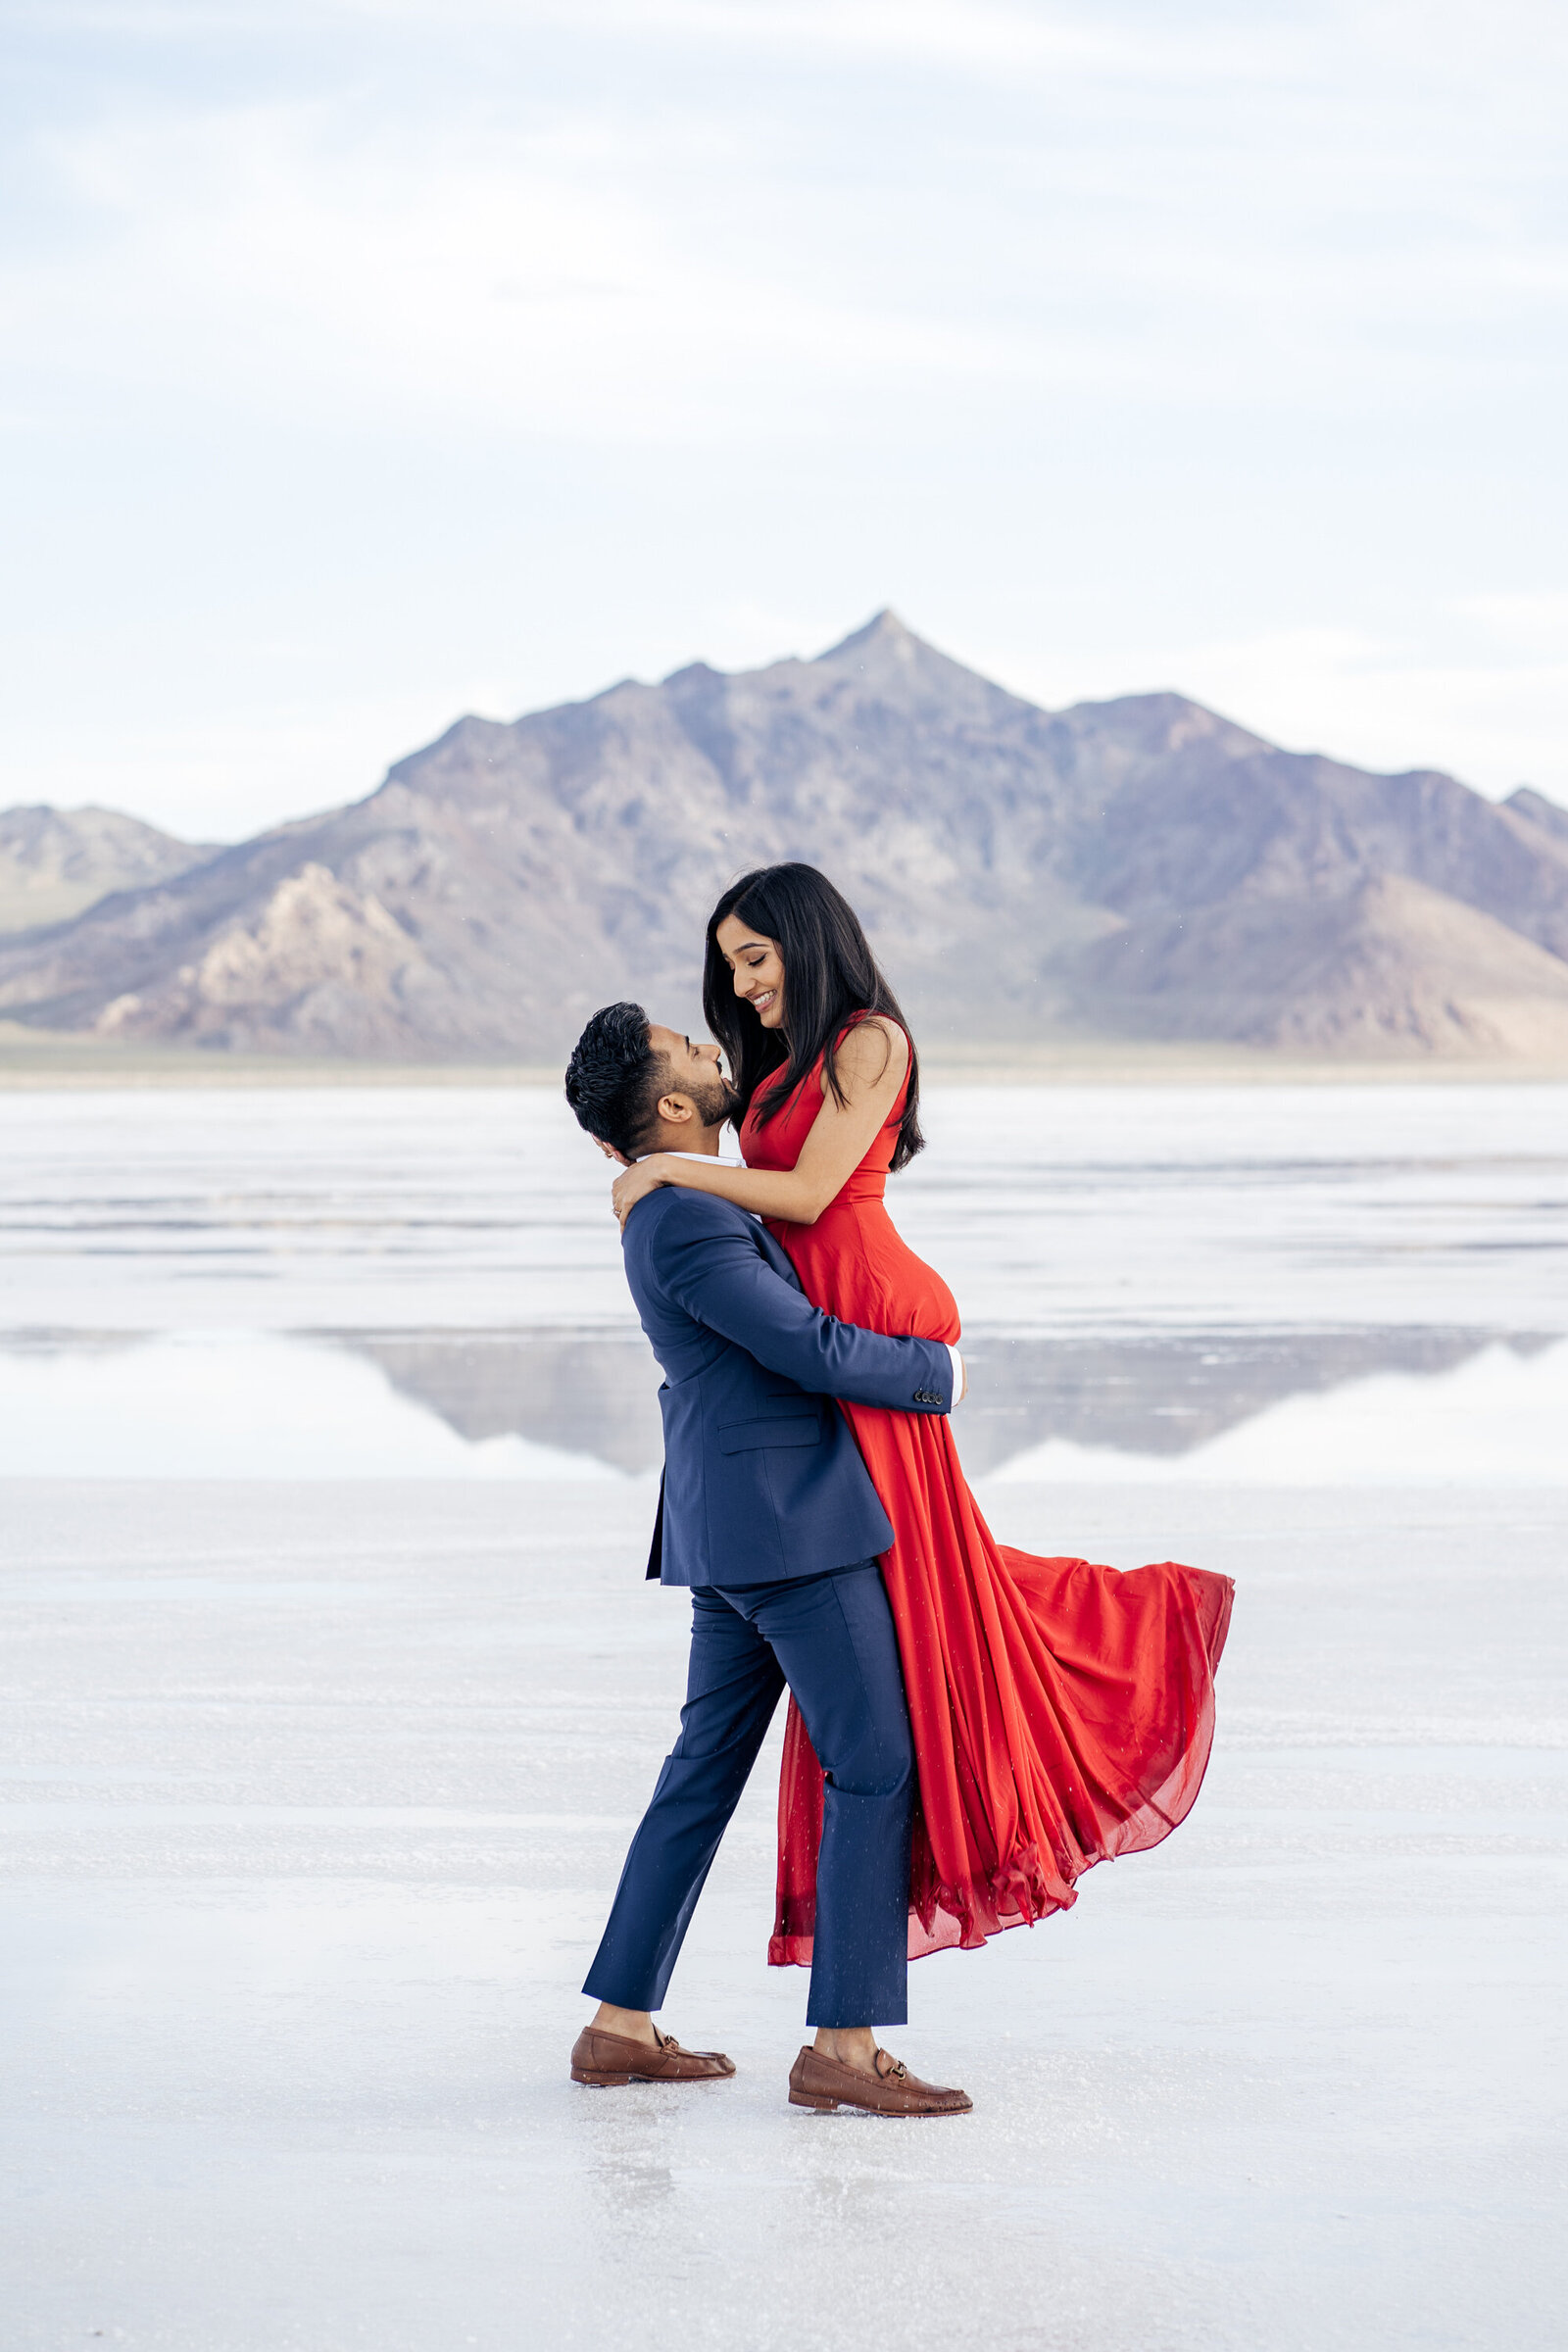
x: 873, y: 1050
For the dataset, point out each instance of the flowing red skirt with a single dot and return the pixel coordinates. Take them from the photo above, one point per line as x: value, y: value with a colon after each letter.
x: 1062, y: 1713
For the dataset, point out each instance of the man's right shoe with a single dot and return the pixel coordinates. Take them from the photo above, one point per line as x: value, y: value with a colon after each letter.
x: 605, y: 2061
x: 827, y: 2084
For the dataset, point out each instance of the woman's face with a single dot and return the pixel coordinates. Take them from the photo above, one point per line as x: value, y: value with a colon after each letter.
x: 757, y: 968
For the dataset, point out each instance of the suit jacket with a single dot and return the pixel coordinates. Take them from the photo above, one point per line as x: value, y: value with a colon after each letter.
x: 762, y: 1477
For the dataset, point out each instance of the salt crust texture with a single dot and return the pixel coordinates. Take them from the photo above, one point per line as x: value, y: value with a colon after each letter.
x: 317, y: 1797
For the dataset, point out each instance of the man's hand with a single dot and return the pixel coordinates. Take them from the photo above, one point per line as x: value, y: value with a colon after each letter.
x: 645, y: 1177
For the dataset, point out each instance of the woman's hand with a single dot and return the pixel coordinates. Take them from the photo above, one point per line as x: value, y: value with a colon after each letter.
x: 638, y: 1181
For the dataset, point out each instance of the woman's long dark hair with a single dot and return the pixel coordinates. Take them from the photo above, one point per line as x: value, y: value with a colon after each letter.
x: 829, y: 974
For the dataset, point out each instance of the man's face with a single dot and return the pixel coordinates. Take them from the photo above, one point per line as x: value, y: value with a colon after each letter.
x: 695, y: 1070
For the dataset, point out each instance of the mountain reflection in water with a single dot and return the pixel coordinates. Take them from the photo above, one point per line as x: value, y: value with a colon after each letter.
x: 411, y: 1281
x: 1162, y: 1395
x: 1275, y: 1407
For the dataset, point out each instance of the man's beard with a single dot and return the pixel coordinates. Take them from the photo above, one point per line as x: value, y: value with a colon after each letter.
x: 717, y: 1103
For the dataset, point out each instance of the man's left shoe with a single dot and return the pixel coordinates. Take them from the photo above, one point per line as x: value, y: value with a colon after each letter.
x: 828, y: 2084
x: 605, y: 2061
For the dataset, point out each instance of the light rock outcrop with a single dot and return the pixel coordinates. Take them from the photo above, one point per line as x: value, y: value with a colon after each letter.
x: 319, y: 966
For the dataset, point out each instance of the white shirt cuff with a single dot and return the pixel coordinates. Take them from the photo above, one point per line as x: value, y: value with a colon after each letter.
x: 957, y: 1371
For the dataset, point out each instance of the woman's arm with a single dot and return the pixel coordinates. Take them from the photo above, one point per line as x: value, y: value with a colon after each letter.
x: 871, y: 1062
x: 723, y: 1280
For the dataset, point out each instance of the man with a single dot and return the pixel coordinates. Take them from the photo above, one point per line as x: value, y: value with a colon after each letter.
x: 766, y: 1513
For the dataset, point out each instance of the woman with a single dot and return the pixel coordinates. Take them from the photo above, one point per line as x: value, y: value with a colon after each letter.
x: 1062, y: 1712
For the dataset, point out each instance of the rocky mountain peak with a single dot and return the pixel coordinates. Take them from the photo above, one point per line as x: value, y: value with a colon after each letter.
x: 885, y: 633
x: 1140, y: 866
x: 1541, y: 811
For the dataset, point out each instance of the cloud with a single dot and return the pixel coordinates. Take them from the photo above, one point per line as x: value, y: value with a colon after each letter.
x: 1237, y: 330
x: 977, y: 38
x: 1526, y: 626
x: 570, y: 276
x: 526, y: 282
x: 1198, y: 209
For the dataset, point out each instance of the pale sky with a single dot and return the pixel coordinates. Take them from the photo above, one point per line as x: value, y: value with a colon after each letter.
x: 366, y: 362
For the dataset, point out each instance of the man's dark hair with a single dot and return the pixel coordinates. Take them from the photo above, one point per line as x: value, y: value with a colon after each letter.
x: 614, y: 1078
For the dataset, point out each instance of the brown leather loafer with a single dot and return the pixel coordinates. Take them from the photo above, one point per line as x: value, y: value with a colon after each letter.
x: 605, y: 2061
x: 825, y: 2083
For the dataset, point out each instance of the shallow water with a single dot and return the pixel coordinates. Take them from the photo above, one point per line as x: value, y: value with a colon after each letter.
x: 1257, y: 1283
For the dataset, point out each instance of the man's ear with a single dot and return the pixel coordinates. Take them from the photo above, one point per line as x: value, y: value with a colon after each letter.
x: 676, y: 1111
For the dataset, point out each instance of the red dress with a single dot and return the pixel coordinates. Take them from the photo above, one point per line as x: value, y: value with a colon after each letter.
x: 1062, y: 1712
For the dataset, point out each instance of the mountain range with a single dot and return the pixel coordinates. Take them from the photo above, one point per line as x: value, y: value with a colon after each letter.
x: 1136, y: 868
x: 53, y: 866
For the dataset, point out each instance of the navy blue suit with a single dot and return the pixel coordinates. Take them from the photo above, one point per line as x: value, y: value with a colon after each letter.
x: 763, y: 1479
x: 767, y: 1512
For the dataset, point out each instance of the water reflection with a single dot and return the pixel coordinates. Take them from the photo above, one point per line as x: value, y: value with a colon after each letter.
x: 1496, y: 1419
x: 236, y: 1404
x: 573, y: 1403
x: 593, y: 1393
x: 375, y: 1282
x: 1161, y: 1394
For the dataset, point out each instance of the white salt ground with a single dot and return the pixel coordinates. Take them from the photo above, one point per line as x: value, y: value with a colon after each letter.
x: 316, y: 1799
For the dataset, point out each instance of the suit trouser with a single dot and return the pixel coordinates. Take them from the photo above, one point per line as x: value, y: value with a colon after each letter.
x: 830, y: 1638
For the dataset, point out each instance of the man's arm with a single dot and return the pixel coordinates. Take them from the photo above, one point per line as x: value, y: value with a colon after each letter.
x: 712, y: 1268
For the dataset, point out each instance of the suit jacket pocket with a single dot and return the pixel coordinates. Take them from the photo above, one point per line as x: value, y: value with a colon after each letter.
x: 794, y: 1428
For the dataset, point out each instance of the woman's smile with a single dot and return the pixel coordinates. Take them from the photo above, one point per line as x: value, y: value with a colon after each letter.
x: 756, y: 968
